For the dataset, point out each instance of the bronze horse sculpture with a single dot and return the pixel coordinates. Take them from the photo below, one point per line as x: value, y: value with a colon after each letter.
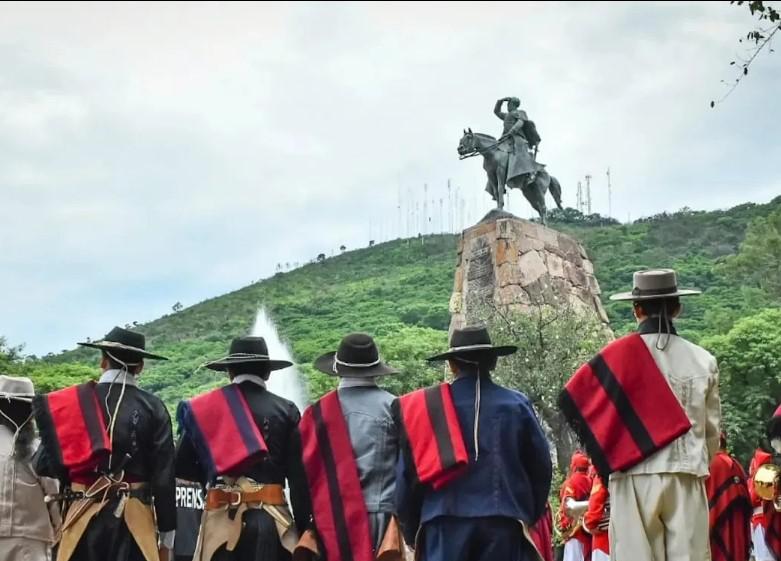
x: 496, y: 155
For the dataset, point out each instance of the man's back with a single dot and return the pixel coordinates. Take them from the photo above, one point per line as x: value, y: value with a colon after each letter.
x: 277, y: 420
x: 374, y: 439
x: 693, y: 376
x: 512, y: 474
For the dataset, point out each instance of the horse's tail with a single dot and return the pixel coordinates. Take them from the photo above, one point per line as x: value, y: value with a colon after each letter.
x: 555, y: 190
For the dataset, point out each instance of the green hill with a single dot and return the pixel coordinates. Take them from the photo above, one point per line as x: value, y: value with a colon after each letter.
x: 399, y: 291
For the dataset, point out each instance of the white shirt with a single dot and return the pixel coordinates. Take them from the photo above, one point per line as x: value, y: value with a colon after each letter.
x: 118, y: 377
x: 238, y: 379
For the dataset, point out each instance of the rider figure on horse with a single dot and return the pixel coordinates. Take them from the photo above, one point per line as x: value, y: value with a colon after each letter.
x: 519, y: 135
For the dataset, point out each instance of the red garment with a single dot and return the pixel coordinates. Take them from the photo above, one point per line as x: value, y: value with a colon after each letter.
x: 760, y: 458
x: 542, y: 534
x: 579, y: 462
x: 772, y: 529
x: 598, y: 511
x: 578, y: 488
x: 434, y: 434
x: 73, y: 428
x: 730, y: 509
x: 339, y: 507
x: 613, y: 404
x: 222, y: 430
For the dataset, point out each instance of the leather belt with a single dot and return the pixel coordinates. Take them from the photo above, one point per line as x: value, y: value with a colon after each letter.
x: 78, y: 491
x: 219, y: 497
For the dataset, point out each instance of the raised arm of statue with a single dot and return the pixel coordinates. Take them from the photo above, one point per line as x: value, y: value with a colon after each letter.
x: 498, y: 108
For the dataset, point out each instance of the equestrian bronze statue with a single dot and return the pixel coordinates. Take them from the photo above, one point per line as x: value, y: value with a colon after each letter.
x: 511, y: 161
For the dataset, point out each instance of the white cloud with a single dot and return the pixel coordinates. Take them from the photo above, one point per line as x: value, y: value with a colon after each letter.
x: 158, y: 152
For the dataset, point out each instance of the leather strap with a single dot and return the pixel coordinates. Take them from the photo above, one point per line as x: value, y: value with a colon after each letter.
x: 219, y: 497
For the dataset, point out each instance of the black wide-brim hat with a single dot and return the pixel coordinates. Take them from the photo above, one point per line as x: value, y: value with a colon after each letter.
x: 472, y: 342
x: 357, y: 357
x: 248, y: 350
x: 123, y: 344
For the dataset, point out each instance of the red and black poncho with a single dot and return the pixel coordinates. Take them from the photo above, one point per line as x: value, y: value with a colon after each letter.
x: 730, y: 509
x: 614, y: 401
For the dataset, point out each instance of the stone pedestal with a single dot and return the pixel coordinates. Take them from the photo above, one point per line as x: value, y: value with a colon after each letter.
x: 518, y: 264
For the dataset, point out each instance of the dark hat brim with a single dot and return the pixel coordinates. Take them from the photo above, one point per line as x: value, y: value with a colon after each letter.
x: 325, y: 364
x: 229, y: 362
x: 466, y: 352
x: 125, y: 349
x: 630, y: 296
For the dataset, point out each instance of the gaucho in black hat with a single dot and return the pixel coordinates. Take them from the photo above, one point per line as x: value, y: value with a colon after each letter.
x: 647, y: 411
x: 350, y: 451
x: 110, y: 443
x: 242, y: 442
x: 474, y: 460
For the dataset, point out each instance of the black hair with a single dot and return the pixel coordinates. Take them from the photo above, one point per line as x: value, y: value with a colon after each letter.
x: 19, y: 411
x: 260, y: 369
x: 483, y: 363
x: 656, y: 307
x: 132, y: 362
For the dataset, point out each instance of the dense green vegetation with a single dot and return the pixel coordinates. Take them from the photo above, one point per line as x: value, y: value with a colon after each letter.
x: 399, y: 291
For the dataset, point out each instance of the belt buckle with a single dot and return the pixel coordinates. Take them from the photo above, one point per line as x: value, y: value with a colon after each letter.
x: 237, y: 500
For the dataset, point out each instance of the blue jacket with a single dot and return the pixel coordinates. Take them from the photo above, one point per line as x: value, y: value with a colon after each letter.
x: 511, y: 477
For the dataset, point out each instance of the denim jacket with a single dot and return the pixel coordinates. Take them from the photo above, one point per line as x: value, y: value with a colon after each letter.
x: 375, y: 443
x: 512, y: 475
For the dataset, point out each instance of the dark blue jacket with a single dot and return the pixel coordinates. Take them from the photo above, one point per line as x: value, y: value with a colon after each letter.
x: 511, y: 477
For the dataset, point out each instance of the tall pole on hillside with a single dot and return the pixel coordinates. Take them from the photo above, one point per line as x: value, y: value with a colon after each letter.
x: 588, y: 193
x: 579, y: 202
x: 425, y: 207
x: 398, y: 211
x: 609, y: 195
x: 449, y: 207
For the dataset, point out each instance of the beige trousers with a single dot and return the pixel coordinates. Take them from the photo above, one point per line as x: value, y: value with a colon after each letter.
x: 24, y: 549
x: 658, y: 517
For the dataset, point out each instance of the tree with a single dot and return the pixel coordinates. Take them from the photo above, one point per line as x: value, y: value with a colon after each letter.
x: 759, y: 260
x: 177, y: 307
x: 342, y: 248
x: 9, y: 357
x: 749, y: 358
x: 768, y: 24
x: 552, y: 343
x: 321, y: 258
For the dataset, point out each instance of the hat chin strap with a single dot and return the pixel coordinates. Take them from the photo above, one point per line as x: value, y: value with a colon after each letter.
x: 113, y: 416
x: 476, y: 431
x: 19, y: 428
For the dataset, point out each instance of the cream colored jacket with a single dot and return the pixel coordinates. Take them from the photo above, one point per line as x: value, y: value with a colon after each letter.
x: 23, y: 512
x: 694, y: 377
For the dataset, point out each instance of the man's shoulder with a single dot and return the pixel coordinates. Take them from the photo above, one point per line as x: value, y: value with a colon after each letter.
x: 682, y: 348
x: 512, y: 396
x: 149, y: 401
x: 271, y: 396
x: 702, y: 355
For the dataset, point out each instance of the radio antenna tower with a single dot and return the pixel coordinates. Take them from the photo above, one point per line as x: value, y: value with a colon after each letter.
x: 425, y: 207
x: 579, y: 203
x: 588, y: 193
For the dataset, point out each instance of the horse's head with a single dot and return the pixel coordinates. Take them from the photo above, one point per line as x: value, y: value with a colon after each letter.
x: 467, y: 145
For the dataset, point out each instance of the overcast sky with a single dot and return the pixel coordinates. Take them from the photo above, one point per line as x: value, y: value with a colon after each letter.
x: 155, y: 153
